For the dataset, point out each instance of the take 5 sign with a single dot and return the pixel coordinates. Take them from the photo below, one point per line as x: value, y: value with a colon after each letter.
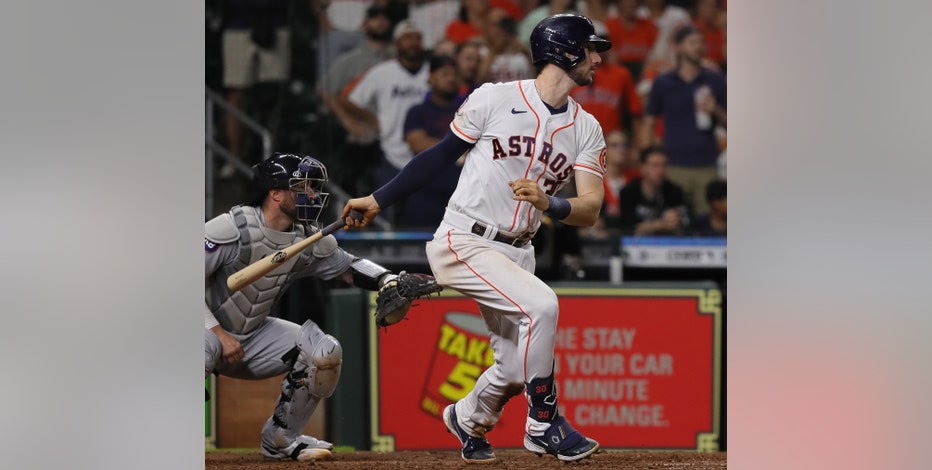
x: 635, y: 368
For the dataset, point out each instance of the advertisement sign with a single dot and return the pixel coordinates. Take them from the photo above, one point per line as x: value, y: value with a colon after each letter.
x: 635, y: 368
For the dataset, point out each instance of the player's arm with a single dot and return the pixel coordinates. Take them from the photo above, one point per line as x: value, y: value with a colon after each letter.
x: 582, y: 210
x: 419, y: 172
x: 220, y: 247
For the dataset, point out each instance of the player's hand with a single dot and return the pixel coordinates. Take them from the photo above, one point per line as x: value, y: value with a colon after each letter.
x: 528, y: 190
x: 232, y: 351
x: 367, y: 205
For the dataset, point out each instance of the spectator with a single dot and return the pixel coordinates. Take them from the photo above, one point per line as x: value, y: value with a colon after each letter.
x: 470, y: 23
x: 434, y: 16
x: 549, y: 8
x: 715, y: 222
x: 467, y: 66
x: 668, y: 17
x: 651, y: 204
x: 506, y: 59
x: 353, y: 171
x: 444, y: 47
x: 634, y: 36
x: 256, y: 50
x: 691, y: 100
x: 612, y: 98
x: 621, y: 167
x: 377, y: 28
x: 384, y: 93
x: 424, y: 126
x: 339, y: 31
x: 709, y: 18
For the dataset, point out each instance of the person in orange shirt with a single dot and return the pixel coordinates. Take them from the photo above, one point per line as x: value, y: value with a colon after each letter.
x: 612, y: 98
x: 471, y: 21
x: 635, y: 36
x: 709, y: 19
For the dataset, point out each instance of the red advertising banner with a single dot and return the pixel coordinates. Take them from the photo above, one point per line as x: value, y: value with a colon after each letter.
x: 635, y: 368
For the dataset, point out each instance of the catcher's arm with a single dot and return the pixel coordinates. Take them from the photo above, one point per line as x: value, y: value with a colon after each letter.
x: 396, y: 291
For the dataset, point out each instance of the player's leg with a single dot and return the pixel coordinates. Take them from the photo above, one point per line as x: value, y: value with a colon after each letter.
x: 482, y: 407
x: 212, y: 352
x: 311, y: 361
x: 315, y: 360
x: 476, y: 413
x: 501, y: 278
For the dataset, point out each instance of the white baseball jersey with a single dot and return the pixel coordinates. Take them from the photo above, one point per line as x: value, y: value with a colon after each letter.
x: 516, y: 136
x: 389, y: 90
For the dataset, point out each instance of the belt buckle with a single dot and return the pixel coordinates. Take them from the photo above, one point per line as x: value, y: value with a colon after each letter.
x: 522, y: 239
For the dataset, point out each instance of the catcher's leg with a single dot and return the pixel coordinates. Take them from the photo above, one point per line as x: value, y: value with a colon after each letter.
x: 317, y: 360
x: 212, y: 351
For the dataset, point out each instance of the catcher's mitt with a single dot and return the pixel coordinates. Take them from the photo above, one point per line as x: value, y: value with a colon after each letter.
x: 396, y: 295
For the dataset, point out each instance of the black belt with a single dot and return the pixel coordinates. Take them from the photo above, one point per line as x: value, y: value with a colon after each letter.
x: 519, y: 241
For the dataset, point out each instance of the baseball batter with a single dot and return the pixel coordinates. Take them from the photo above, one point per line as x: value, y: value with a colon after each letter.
x: 240, y: 339
x: 523, y: 141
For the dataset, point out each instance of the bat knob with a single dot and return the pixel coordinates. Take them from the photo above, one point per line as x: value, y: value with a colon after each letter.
x: 356, y: 215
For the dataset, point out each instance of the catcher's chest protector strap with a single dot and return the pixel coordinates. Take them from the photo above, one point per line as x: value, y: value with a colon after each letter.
x: 366, y: 274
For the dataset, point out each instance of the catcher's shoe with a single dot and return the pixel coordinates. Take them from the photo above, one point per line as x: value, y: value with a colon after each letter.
x: 475, y: 449
x: 561, y: 441
x: 303, y: 449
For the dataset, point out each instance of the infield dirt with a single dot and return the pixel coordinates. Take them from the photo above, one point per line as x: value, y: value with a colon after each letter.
x: 510, y: 459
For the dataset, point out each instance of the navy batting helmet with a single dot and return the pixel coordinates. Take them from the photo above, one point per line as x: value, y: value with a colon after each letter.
x: 303, y: 175
x: 561, y: 40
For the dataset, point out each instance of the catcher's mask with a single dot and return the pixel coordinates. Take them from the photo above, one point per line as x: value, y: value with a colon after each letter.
x: 303, y: 175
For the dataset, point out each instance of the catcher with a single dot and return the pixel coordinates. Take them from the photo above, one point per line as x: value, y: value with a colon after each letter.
x: 242, y: 341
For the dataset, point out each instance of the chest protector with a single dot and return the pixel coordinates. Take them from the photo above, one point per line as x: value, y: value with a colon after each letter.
x: 242, y: 311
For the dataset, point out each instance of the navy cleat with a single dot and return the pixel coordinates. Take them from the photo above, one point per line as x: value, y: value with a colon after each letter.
x: 475, y: 449
x: 561, y: 441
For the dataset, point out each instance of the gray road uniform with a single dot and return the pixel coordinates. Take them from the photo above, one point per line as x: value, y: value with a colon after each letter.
x: 273, y: 346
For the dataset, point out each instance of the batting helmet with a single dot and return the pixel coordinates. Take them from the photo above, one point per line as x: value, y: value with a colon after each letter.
x: 561, y: 40
x: 303, y: 175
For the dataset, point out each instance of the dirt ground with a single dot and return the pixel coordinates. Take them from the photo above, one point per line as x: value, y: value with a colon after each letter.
x: 510, y: 459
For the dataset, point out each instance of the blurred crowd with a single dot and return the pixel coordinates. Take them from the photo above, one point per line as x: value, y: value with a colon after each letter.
x: 364, y: 85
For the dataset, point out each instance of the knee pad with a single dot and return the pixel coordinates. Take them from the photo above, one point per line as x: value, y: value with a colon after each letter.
x: 326, y: 362
x: 321, y: 358
x: 212, y: 351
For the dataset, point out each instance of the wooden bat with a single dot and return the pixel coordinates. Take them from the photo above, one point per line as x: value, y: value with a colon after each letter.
x: 256, y: 270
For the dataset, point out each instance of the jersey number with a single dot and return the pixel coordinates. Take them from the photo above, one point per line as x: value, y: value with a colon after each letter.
x: 551, y: 187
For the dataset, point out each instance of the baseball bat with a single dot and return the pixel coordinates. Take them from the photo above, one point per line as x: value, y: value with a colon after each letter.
x: 256, y: 270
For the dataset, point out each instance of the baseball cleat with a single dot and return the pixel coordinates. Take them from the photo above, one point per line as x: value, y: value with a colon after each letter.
x: 475, y: 449
x: 562, y: 442
x: 303, y: 449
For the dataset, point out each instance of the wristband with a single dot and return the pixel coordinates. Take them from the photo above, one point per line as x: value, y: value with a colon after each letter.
x: 559, y: 208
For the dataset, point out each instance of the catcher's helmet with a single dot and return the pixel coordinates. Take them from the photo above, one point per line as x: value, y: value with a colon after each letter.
x: 561, y: 40
x: 303, y: 175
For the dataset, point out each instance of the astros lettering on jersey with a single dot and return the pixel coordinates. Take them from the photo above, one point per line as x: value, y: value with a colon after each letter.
x: 516, y: 136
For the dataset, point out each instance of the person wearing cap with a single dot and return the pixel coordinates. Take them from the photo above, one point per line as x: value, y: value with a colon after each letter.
x: 691, y: 100
x: 384, y: 93
x: 362, y: 154
x: 424, y: 126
